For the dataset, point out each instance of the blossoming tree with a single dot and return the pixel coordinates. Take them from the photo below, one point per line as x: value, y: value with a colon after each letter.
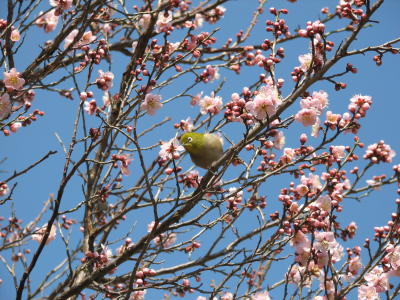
x: 128, y: 216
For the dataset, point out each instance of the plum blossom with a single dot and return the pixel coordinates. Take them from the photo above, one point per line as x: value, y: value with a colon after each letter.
x: 61, y: 4
x: 86, y: 39
x: 48, y: 20
x: 305, y: 62
x: 324, y: 203
x: 328, y: 248
x: 379, y: 152
x: 170, y: 150
x: 144, y: 21
x: 5, y: 106
x: 312, y: 181
x: 15, y: 36
x: 90, y: 107
x: 12, y: 80
x: 377, y: 279
x: 227, y: 296
x: 289, y: 153
x: 125, y: 161
x: 393, y: 257
x: 300, y: 240
x: 105, y: 80
x: 338, y: 151
x: 279, y: 140
x: 261, y: 296
x: 311, y: 108
x: 210, y: 104
x: 196, y: 99
x: 151, y: 103
x: 39, y: 234
x: 307, y: 116
x: 210, y: 74
x: 355, y: 264
x: 360, y: 104
x: 3, y: 189
x: 366, y: 292
x: 166, y: 240
x: 264, y: 103
x: 138, y: 295
x: 15, y: 126
x: 163, y: 23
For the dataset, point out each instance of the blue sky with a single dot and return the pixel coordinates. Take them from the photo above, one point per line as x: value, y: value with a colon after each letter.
x: 382, y: 122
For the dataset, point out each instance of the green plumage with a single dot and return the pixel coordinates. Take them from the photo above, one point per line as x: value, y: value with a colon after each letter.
x: 204, y: 148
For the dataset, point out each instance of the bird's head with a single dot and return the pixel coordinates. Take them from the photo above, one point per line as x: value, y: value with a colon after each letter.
x: 192, y: 141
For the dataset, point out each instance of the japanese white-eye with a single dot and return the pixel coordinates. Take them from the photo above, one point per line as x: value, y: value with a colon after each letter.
x: 204, y: 148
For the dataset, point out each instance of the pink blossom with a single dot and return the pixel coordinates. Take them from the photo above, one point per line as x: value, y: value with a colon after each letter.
x: 5, y: 106
x: 3, y: 189
x: 12, y: 80
x: 324, y: 203
x: 279, y: 140
x: 366, y: 292
x: 289, y: 153
x: 261, y: 296
x: 305, y: 62
x: 70, y: 38
x: 138, y: 295
x: 62, y: 4
x: 15, y: 36
x: 86, y: 39
x: 394, y: 257
x: 124, y: 164
x: 210, y: 104
x: 165, y: 240
x: 307, y: 116
x: 90, y: 107
x: 170, y: 150
x: 326, y: 285
x: 338, y: 152
x: 210, y: 74
x: 134, y: 45
x: 198, y: 21
x: 300, y: 240
x: 28, y: 97
x: 106, y: 99
x: 328, y: 248
x: 227, y: 296
x: 15, y: 126
x: 379, y: 152
x: 320, y: 100
x: 297, y: 275
x: 302, y: 189
x: 144, y: 21
x: 360, y: 104
x: 48, y: 20
x: 378, y: 279
x: 312, y: 181
x: 196, y: 99
x: 355, y: 264
x: 105, y: 80
x: 332, y: 118
x: 39, y: 233
x: 163, y: 23
x: 264, y: 103
x: 316, y: 128
x: 151, y: 103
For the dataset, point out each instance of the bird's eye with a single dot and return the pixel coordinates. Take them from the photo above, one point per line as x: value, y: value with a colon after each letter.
x: 189, y: 139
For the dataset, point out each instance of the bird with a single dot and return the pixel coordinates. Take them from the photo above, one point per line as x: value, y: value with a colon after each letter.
x: 204, y: 148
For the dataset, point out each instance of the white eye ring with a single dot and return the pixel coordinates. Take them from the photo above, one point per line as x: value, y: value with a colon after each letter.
x: 189, y: 139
